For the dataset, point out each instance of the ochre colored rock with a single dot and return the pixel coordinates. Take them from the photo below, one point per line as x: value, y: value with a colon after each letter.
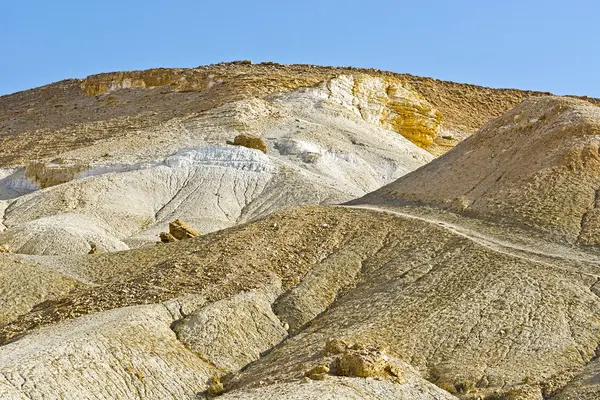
x: 166, y: 237
x: 181, y: 230
x: 4, y: 249
x: 94, y: 250
x: 336, y: 346
x: 251, y: 142
x: 318, y: 373
x: 215, y: 387
x: 361, y: 361
x: 390, y: 103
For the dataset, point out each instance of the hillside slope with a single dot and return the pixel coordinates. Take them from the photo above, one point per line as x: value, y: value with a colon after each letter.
x: 385, y: 299
x: 537, y: 166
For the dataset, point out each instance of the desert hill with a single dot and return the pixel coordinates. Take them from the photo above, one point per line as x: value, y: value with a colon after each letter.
x: 537, y: 166
x: 78, y: 154
x: 469, y: 276
x: 108, y: 161
x: 77, y: 113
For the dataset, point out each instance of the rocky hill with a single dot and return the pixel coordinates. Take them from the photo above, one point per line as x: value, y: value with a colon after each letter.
x: 537, y: 166
x: 77, y: 113
x: 471, y: 276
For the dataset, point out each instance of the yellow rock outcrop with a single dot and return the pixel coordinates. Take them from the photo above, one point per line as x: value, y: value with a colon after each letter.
x: 251, y: 142
x: 416, y: 120
x: 181, y: 230
x: 389, y: 102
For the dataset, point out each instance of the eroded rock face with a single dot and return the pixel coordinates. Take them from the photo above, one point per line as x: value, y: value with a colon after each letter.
x: 391, y: 104
x: 232, y: 333
x: 179, y: 79
x: 129, y: 353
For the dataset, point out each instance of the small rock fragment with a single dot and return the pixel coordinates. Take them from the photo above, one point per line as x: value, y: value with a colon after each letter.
x: 318, y: 373
x: 360, y: 360
x: 252, y: 142
x: 215, y: 387
x: 166, y: 237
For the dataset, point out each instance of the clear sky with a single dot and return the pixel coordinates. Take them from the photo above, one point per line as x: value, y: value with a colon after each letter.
x: 543, y: 45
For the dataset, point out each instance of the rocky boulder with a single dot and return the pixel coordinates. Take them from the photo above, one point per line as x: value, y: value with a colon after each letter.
x: 181, y: 230
x: 252, y: 142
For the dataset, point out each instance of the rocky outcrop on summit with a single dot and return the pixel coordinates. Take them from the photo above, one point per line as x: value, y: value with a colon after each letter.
x: 537, y: 166
x: 45, y: 122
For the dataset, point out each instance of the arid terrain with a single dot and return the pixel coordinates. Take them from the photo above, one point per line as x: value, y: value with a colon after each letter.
x: 273, y: 231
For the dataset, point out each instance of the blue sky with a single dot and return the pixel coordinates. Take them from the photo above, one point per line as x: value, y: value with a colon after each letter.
x: 539, y: 45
